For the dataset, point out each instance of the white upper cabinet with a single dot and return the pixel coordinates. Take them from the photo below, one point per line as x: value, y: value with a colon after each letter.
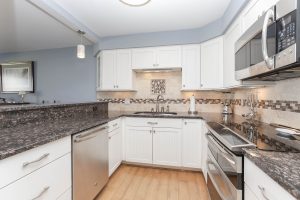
x: 107, y: 70
x: 212, y: 64
x: 143, y: 58
x: 115, y: 70
x: 230, y: 37
x: 191, y: 67
x: 168, y: 57
x: 254, y: 10
x: 124, y: 74
x: 156, y: 58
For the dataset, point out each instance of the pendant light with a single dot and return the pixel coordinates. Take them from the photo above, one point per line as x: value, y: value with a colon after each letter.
x: 80, y: 47
x: 135, y: 3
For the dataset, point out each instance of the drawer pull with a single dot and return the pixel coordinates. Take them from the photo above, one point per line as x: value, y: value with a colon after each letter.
x: 25, y: 164
x: 41, y: 193
x: 152, y: 123
x: 262, y: 190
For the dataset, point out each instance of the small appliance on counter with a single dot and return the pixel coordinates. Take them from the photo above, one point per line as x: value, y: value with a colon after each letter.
x: 227, y: 110
x: 192, y: 109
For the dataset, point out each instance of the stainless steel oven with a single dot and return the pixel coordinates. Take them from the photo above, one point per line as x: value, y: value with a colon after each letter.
x: 225, y: 172
x: 270, y: 49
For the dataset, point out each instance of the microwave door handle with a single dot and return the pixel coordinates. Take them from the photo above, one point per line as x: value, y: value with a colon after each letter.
x: 268, y: 60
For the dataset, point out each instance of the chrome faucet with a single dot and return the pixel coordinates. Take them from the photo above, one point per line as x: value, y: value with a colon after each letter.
x: 159, y: 98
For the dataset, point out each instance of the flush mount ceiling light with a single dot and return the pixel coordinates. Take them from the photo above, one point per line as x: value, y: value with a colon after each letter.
x: 135, y: 3
x: 80, y: 47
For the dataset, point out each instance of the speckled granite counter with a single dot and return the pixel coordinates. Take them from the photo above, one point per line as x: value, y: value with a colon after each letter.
x: 33, y: 133
x: 284, y: 168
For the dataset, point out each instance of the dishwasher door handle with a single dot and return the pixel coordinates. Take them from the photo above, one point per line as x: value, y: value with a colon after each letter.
x: 89, y: 134
x: 81, y: 139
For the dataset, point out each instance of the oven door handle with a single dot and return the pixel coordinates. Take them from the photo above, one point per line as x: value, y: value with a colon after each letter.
x: 225, y: 155
x: 268, y: 60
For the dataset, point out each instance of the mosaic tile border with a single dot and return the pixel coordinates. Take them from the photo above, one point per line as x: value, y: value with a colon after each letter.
x: 167, y: 101
x: 279, y: 105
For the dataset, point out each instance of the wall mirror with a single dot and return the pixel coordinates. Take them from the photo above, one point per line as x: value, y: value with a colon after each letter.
x: 17, y: 77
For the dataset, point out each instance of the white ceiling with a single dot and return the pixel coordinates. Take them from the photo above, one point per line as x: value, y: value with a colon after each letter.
x: 25, y: 28
x: 111, y: 17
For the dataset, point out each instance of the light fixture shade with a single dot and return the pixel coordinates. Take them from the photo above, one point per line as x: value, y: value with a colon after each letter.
x: 80, y: 51
x: 135, y: 3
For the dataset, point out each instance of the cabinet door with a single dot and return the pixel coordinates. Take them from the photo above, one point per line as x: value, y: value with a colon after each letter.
x: 143, y: 58
x: 231, y: 36
x: 123, y: 70
x: 204, y: 150
x: 167, y: 146
x: 212, y: 64
x: 108, y: 70
x: 115, y: 150
x: 168, y: 57
x: 191, y: 67
x: 249, y: 195
x: 139, y: 144
x: 192, y: 143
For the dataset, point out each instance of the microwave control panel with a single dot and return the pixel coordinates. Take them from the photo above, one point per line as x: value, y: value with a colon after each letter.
x: 286, y: 31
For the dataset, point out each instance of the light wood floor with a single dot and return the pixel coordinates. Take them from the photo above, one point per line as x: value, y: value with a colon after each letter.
x: 142, y: 183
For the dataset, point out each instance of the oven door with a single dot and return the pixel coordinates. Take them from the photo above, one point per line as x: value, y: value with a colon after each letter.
x: 225, y: 177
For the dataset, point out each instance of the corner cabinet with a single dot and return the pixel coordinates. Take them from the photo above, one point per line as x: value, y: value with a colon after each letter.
x: 156, y: 58
x: 114, y: 70
x: 191, y: 67
x: 212, y: 64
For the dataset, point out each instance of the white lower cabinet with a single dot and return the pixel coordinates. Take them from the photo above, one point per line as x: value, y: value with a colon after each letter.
x: 262, y: 186
x: 166, y: 146
x: 191, y: 143
x: 115, y: 150
x: 168, y: 142
x: 139, y: 144
x: 47, y: 183
x: 204, y: 130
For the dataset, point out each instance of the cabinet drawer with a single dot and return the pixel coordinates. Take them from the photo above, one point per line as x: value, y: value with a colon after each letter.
x: 154, y: 122
x: 263, y: 186
x: 113, y: 125
x: 17, y: 166
x: 47, y: 183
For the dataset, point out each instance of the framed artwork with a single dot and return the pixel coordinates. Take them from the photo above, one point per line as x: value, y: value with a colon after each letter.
x: 17, y: 77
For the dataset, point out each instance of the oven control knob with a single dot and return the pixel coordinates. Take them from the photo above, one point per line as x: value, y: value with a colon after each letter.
x: 284, y: 54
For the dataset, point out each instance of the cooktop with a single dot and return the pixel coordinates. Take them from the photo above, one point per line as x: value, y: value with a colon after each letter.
x: 262, y: 135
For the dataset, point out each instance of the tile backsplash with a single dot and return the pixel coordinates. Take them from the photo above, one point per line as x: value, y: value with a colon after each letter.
x: 275, y: 104
x: 169, y: 83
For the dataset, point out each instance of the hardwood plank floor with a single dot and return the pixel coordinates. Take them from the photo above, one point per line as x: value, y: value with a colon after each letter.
x: 145, y: 183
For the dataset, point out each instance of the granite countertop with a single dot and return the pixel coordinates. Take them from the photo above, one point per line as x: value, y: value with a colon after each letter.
x: 26, y: 136
x: 284, y: 168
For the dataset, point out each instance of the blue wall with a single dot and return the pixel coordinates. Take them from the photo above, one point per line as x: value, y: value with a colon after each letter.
x: 190, y: 36
x: 59, y: 75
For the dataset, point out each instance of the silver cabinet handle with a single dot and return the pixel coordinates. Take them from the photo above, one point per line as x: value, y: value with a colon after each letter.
x: 41, y: 193
x: 25, y: 164
x: 262, y: 190
x: 268, y: 60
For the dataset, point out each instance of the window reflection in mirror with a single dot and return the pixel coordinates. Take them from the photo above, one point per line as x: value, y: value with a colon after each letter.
x: 17, y: 77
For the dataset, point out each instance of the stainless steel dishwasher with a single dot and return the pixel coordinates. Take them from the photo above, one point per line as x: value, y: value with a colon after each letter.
x: 90, y: 162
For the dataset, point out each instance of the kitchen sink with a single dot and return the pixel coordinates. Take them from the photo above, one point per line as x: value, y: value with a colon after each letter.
x: 156, y: 113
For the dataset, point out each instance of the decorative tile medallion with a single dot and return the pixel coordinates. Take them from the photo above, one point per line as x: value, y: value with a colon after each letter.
x: 158, y: 86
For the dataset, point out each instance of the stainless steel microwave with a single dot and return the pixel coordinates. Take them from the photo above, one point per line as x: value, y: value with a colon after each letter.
x: 270, y: 49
